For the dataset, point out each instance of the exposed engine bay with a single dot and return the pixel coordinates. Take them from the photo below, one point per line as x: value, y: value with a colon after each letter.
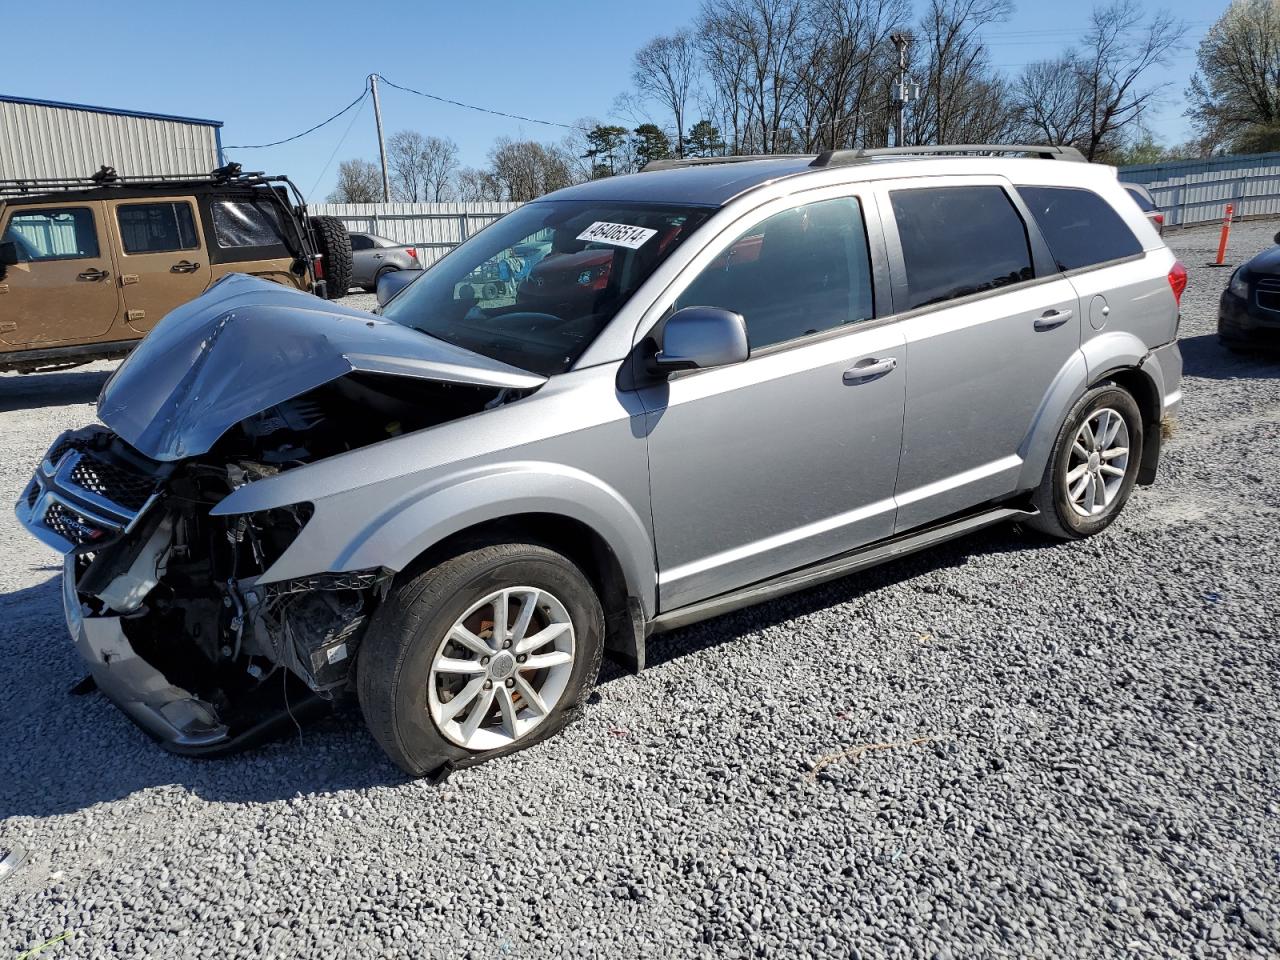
x: 152, y: 572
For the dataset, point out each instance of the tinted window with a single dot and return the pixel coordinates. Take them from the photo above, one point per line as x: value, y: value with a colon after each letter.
x: 1080, y: 227
x: 247, y: 223
x: 796, y: 273
x: 958, y: 241
x: 66, y: 233
x: 1140, y: 198
x: 156, y: 227
x: 360, y: 242
x: 537, y: 287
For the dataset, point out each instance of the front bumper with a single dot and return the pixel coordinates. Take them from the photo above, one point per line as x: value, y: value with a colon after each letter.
x: 1245, y: 323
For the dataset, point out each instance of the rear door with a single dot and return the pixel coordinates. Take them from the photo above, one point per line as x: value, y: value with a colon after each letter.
x: 249, y: 233
x: 163, y: 260
x: 64, y: 287
x: 1119, y: 288
x: 989, y: 323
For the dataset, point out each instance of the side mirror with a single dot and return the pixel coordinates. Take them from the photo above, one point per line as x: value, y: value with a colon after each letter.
x: 699, y: 337
x: 389, y: 284
x: 9, y: 253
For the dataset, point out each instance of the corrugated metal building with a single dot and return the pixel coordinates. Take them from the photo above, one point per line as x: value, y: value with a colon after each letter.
x: 435, y: 228
x: 43, y: 138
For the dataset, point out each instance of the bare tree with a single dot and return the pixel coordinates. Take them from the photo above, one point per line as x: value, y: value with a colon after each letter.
x: 760, y: 39
x: 846, y: 57
x: 664, y: 70
x: 421, y: 167
x: 1053, y: 103
x: 359, y: 181
x: 1118, y: 52
x: 526, y: 169
x: 1235, y: 94
x: 475, y: 186
x: 964, y: 99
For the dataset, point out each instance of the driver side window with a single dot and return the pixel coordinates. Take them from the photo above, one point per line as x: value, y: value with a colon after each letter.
x: 802, y: 271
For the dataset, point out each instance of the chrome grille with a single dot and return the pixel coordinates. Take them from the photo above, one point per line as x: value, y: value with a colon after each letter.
x: 73, y: 527
x: 119, y: 485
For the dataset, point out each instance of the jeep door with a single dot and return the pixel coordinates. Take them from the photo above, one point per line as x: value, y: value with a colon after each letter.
x: 163, y: 262
x: 63, y: 287
x: 989, y: 324
x: 791, y: 456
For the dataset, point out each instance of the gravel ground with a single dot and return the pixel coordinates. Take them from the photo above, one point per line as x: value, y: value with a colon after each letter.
x: 1098, y: 775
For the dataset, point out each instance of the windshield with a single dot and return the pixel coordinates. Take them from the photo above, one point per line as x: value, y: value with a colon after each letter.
x: 538, y: 286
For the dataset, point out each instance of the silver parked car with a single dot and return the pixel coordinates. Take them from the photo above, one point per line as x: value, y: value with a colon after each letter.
x: 696, y: 388
x: 373, y: 257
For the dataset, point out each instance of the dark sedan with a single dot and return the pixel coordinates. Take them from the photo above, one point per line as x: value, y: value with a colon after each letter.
x: 1249, y: 311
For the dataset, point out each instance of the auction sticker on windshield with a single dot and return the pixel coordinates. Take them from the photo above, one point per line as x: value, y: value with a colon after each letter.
x: 617, y: 234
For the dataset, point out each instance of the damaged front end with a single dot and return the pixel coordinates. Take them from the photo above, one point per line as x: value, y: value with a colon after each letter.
x: 173, y: 607
x: 164, y: 601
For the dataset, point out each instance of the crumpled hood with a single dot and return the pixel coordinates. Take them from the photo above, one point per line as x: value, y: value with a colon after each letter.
x: 248, y: 344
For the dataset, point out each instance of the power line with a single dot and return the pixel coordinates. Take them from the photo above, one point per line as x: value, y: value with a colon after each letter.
x: 356, y: 116
x: 259, y: 146
x: 470, y: 106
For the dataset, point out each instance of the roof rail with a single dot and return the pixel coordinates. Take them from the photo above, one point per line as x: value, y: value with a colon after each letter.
x: 1045, y: 151
x: 107, y: 177
x: 674, y: 164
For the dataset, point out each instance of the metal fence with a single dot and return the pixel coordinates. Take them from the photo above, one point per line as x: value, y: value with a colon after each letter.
x: 434, y: 228
x: 1198, y: 191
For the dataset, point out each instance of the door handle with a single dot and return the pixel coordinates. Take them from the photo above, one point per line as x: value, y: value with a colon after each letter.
x: 1052, y: 318
x: 865, y: 370
x: 377, y: 256
x: 93, y: 275
x: 184, y: 266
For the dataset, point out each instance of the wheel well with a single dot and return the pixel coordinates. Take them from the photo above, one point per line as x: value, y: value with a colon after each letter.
x: 1140, y: 387
x: 582, y: 546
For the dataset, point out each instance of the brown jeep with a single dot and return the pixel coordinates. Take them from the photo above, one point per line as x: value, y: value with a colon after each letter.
x: 88, y: 266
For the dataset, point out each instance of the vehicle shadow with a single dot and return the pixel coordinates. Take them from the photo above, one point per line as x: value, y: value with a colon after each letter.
x: 1204, y: 356
x: 60, y: 753
x: 33, y: 390
x: 665, y: 648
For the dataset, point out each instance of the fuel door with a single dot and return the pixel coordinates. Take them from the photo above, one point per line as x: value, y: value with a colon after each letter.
x: 1099, y: 311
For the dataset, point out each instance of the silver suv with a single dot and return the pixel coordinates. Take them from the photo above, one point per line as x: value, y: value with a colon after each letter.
x: 694, y: 388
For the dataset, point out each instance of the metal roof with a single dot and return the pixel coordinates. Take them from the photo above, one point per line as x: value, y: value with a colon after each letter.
x: 112, y: 110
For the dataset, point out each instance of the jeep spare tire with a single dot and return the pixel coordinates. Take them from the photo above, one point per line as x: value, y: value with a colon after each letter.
x: 333, y: 243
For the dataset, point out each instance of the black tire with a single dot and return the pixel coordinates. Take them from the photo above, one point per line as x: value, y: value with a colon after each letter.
x: 394, y: 668
x: 1057, y: 518
x: 333, y: 243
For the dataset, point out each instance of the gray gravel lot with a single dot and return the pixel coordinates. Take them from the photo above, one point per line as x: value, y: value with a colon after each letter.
x: 1100, y: 777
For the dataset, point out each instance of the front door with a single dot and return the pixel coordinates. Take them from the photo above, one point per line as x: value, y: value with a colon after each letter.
x: 64, y: 286
x: 989, y: 326
x: 163, y: 261
x: 790, y: 457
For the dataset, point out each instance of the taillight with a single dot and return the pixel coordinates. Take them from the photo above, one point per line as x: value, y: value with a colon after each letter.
x: 413, y: 252
x: 1178, y: 280
x: 317, y: 266
x: 1158, y: 218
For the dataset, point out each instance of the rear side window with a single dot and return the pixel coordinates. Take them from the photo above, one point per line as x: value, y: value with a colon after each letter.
x: 360, y: 242
x: 247, y: 223
x: 799, y: 272
x: 958, y: 241
x: 156, y: 227
x: 1140, y: 198
x: 66, y: 233
x: 1080, y: 227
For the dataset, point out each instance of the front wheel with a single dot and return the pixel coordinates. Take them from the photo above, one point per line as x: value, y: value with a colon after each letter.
x: 1093, y: 467
x: 479, y: 656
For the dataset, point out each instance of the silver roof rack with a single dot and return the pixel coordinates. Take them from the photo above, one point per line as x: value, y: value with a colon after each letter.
x: 675, y: 164
x: 1044, y: 151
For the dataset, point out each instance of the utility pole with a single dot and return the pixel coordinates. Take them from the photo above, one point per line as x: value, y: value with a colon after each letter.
x: 382, y: 145
x: 901, y: 41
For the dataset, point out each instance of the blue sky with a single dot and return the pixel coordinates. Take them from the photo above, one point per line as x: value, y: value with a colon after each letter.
x: 269, y: 71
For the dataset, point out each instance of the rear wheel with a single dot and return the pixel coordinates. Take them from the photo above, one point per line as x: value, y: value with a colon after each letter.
x: 1093, y: 467
x: 479, y: 656
x: 333, y: 243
